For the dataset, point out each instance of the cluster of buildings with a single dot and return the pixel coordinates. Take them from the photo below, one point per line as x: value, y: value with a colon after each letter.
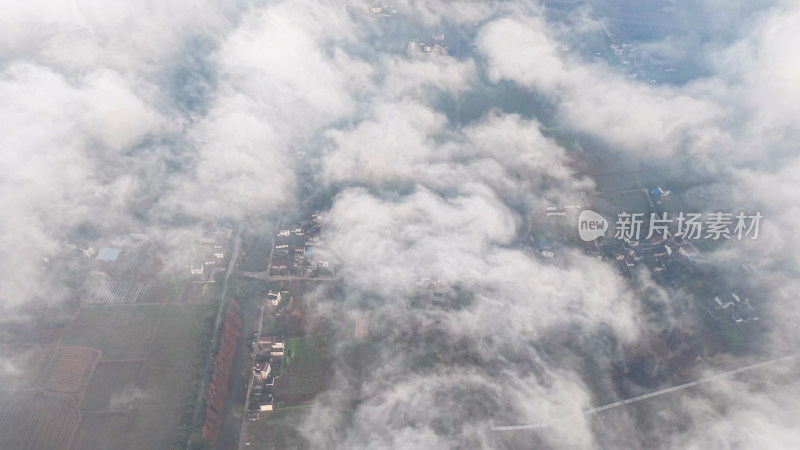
x: 664, y: 252
x: 119, y: 272
x: 121, y: 250
x: 544, y: 246
x: 269, y: 352
x: 627, y: 253
x: 561, y: 210
x: 661, y: 247
x: 385, y: 11
x: 298, y: 251
x: 636, y: 64
x: 209, y: 252
x: 434, y: 46
x: 548, y: 233
x: 431, y: 290
x: 555, y: 232
x: 738, y: 310
x: 273, y: 299
x: 660, y: 195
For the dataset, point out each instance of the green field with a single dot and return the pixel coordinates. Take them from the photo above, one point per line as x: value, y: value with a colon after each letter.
x: 272, y: 326
x: 285, y: 297
x: 303, y: 373
x: 277, y: 430
x: 292, y: 347
x: 199, y: 292
x: 150, y: 427
x: 163, y: 289
x: 111, y: 384
x: 119, y: 331
x: 175, y: 342
x: 99, y: 431
x: 27, y: 361
x: 162, y: 385
x: 149, y: 357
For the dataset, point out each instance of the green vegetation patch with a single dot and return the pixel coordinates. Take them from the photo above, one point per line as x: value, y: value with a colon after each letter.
x: 113, y: 386
x: 177, y: 339
x: 284, y: 299
x: 272, y: 326
x: 28, y: 362
x: 119, y: 331
x: 150, y: 427
x: 99, y: 430
x: 303, y: 374
x: 165, y: 386
x: 278, y: 429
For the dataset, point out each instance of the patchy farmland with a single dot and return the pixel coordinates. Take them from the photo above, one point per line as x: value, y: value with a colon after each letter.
x: 113, y: 383
x: 180, y: 327
x: 303, y: 374
x: 71, y: 371
x: 139, y: 388
x: 119, y: 331
x: 99, y: 430
x: 24, y: 365
x: 151, y: 426
x: 278, y: 430
x: 112, y: 291
x: 36, y: 420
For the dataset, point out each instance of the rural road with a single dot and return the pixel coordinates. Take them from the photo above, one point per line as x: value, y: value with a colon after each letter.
x: 210, y: 360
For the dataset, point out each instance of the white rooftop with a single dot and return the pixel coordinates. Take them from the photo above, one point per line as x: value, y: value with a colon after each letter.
x: 108, y: 254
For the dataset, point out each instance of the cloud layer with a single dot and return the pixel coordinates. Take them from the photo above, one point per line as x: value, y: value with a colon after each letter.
x: 120, y: 118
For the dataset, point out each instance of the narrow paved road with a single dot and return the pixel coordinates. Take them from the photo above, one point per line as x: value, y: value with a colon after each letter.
x: 639, y: 398
x: 243, y: 429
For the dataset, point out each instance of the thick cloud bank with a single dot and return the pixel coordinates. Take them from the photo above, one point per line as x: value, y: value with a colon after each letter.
x: 121, y: 117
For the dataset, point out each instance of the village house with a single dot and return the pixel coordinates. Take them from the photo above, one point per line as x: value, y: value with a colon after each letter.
x: 262, y: 370
x: 273, y: 298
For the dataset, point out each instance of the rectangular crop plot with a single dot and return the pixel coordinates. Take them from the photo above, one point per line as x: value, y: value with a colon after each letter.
x: 28, y: 362
x: 35, y: 420
x: 112, y: 291
x: 113, y: 386
x: 165, y: 386
x: 71, y: 371
x: 304, y: 370
x: 120, y: 332
x: 99, y: 430
x: 177, y: 339
x: 278, y: 429
x: 150, y: 427
x: 199, y: 292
